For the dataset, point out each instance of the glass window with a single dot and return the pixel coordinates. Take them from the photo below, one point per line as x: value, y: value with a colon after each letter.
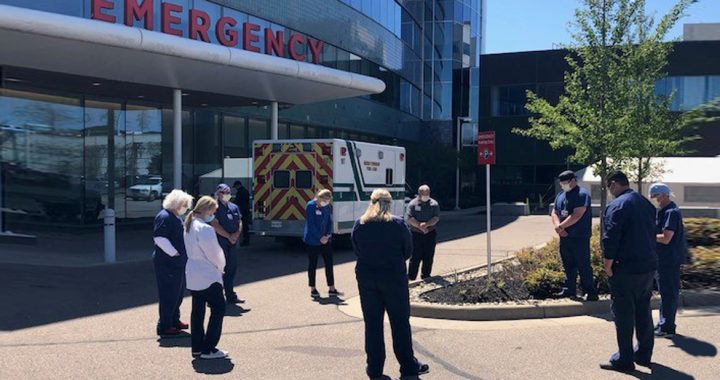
x: 235, y: 137
x: 281, y: 179
x: 706, y: 194
x: 283, y: 131
x: 258, y: 130
x: 297, y: 131
x: 208, y: 153
x: 713, y: 87
x: 143, y: 161
x: 70, y: 8
x: 41, y: 158
x: 303, y: 179
x: 509, y: 100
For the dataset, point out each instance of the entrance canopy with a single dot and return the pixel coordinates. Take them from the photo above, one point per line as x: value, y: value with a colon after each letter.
x: 73, y: 45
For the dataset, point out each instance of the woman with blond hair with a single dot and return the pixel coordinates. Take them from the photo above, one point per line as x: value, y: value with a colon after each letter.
x: 383, y: 243
x: 169, y: 259
x: 317, y: 235
x: 204, y: 271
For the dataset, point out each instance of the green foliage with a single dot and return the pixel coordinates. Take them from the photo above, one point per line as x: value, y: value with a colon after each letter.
x: 609, y: 108
x: 702, y: 231
x: 704, y: 271
x: 543, y: 283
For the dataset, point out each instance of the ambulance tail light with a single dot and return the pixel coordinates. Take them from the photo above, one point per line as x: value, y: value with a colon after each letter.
x: 343, y: 151
x: 402, y: 156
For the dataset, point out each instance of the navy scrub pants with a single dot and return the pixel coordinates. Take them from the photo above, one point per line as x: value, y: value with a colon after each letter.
x: 324, y: 250
x: 575, y: 255
x: 631, y: 295
x: 669, y: 286
x: 206, y: 341
x: 171, y: 286
x: 231, y: 262
x: 378, y: 295
x: 423, y: 252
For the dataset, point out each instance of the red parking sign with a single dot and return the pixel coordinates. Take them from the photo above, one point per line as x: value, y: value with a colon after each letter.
x: 486, y: 148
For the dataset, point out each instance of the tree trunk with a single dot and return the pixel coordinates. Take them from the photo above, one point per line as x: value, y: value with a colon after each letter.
x: 640, y: 175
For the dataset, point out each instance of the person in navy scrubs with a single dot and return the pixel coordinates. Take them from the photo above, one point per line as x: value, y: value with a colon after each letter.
x: 228, y: 227
x: 317, y: 237
x: 572, y: 219
x: 169, y: 258
x: 629, y: 249
x: 672, y: 253
x: 383, y: 243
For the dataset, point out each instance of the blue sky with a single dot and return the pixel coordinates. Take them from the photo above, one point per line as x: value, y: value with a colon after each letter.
x: 522, y: 25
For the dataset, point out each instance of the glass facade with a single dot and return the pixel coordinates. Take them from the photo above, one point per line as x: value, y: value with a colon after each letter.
x: 688, y: 92
x: 67, y: 152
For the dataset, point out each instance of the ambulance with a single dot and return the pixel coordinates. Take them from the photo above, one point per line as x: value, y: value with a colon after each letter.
x: 288, y: 173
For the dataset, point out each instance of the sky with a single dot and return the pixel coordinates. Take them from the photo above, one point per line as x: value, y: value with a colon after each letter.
x: 523, y: 25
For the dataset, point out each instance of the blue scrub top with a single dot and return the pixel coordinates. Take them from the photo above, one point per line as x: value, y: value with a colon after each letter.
x: 565, y: 204
x: 629, y: 234
x: 228, y: 216
x: 170, y: 227
x: 318, y: 223
x: 674, y: 253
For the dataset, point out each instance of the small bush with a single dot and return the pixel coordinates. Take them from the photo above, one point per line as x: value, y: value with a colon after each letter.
x: 542, y: 283
x: 702, y: 231
x: 704, y: 271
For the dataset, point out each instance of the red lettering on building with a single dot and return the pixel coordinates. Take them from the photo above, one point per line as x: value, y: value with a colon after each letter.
x: 135, y: 11
x: 249, y: 36
x: 316, y: 47
x: 202, y: 28
x: 274, y: 42
x: 292, y: 46
x: 226, y: 33
x: 98, y: 6
x: 168, y: 19
x: 199, y: 23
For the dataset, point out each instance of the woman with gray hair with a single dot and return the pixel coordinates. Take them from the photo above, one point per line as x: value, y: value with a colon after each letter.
x: 383, y: 243
x: 169, y: 259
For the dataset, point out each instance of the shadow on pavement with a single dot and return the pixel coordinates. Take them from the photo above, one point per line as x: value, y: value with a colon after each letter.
x: 233, y: 310
x: 661, y: 372
x: 693, y: 346
x: 182, y: 340
x: 213, y: 367
x: 333, y: 300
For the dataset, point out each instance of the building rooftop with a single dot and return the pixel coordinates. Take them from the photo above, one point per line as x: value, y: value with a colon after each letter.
x: 701, y: 32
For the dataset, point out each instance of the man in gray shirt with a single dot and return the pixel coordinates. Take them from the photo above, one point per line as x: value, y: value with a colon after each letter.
x: 422, y: 215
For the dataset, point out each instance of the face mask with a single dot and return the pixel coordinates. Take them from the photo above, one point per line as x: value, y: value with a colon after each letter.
x: 182, y: 211
x: 656, y: 202
x: 566, y: 187
x: 323, y: 203
x: 424, y: 198
x: 225, y: 197
x: 208, y: 218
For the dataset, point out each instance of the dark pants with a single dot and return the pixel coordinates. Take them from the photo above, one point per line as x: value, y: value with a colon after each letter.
x: 245, y: 227
x: 205, y: 341
x: 171, y: 286
x: 631, y: 308
x: 575, y: 255
x: 669, y: 286
x: 376, y: 297
x: 423, y: 252
x: 231, y: 260
x: 313, y: 252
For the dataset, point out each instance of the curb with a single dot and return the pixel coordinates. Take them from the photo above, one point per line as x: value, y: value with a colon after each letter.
x: 688, y: 298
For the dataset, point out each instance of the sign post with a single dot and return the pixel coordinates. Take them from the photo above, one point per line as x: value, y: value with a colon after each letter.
x: 486, y: 156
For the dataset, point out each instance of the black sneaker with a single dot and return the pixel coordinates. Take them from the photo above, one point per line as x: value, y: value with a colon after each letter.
x: 610, y: 366
x: 235, y: 300
x: 644, y: 363
x: 592, y: 298
x: 314, y: 293
x: 196, y: 354
x: 423, y: 369
x: 335, y: 293
x: 564, y: 293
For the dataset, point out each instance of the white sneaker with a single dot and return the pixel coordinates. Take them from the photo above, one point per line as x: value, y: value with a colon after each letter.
x: 217, y: 354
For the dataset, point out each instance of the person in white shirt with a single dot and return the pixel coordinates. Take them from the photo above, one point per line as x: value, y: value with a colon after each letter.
x: 203, y: 274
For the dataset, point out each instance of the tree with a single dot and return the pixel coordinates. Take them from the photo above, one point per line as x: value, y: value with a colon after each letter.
x: 594, y: 114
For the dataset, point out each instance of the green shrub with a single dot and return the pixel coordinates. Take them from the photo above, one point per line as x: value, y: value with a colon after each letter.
x: 702, y: 231
x: 543, y: 283
x: 704, y: 271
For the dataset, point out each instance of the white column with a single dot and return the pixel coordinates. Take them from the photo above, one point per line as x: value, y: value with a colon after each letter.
x: 274, y: 120
x: 177, y: 139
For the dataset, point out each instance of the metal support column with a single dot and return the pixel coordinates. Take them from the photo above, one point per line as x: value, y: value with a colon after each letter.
x: 177, y: 139
x: 274, y: 121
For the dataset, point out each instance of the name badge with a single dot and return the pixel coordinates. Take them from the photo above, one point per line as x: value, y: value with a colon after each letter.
x: 418, y: 208
x: 564, y: 213
x: 318, y: 212
x: 230, y: 216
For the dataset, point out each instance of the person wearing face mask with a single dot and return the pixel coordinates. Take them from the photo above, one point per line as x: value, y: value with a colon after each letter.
x: 169, y: 258
x: 572, y: 219
x: 317, y: 237
x: 630, y: 258
x: 671, y: 252
x: 422, y: 215
x: 228, y: 227
x: 204, y: 270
